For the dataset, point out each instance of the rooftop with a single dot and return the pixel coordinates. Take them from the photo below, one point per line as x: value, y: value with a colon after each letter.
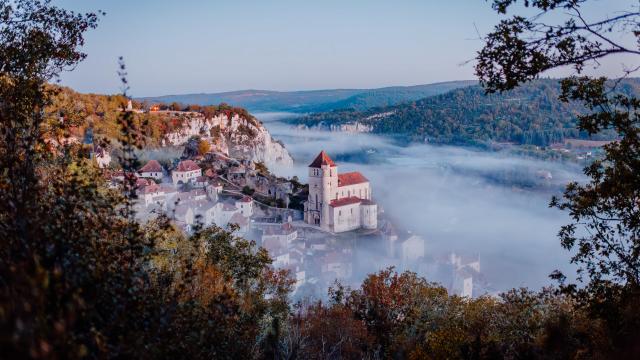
x: 345, y: 201
x: 140, y: 183
x: 151, y: 166
x: 151, y: 188
x: 322, y: 159
x: 187, y: 165
x: 351, y: 178
x: 202, y: 205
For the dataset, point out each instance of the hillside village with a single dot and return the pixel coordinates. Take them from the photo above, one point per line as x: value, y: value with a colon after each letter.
x: 319, y: 232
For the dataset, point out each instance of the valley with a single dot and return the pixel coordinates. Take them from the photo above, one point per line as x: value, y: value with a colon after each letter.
x: 459, y: 199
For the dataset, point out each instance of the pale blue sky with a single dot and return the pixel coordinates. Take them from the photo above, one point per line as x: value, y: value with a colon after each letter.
x: 174, y: 47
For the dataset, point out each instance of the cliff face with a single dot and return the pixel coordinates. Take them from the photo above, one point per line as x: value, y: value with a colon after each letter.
x: 236, y: 136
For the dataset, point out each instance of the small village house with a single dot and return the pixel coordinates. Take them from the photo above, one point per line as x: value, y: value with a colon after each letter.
x: 186, y: 172
x: 152, y: 169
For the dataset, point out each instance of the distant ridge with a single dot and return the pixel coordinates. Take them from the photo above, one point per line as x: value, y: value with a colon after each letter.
x: 530, y: 114
x: 315, y: 100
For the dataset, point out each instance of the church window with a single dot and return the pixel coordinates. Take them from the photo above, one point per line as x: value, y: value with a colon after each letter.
x: 339, y: 212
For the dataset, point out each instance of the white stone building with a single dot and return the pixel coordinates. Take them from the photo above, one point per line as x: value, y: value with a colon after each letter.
x: 213, y: 189
x: 412, y: 248
x: 466, y: 269
x: 279, y: 235
x: 152, y: 194
x: 338, y: 202
x: 152, y: 169
x: 186, y: 171
x: 245, y: 205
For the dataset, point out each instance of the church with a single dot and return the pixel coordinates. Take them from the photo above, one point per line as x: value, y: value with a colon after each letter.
x: 338, y: 202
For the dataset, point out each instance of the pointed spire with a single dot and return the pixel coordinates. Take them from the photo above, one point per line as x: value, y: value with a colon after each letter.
x: 322, y: 159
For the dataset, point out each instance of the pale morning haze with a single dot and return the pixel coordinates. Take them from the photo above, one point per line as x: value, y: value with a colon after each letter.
x: 324, y: 180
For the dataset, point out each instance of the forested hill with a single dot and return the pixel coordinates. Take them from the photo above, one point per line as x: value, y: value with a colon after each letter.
x: 530, y: 114
x: 101, y: 112
x: 315, y: 100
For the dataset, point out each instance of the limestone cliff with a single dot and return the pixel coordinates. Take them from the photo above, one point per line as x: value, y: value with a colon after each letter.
x: 237, y: 136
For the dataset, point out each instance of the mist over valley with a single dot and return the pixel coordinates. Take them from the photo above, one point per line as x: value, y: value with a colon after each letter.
x: 493, y: 204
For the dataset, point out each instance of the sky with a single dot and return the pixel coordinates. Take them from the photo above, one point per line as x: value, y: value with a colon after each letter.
x: 187, y: 46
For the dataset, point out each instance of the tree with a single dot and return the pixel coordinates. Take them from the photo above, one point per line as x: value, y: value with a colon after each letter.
x: 605, y: 231
x: 519, y: 49
x: 262, y: 168
x: 79, y: 275
x: 176, y: 106
x: 248, y: 190
x: 203, y: 147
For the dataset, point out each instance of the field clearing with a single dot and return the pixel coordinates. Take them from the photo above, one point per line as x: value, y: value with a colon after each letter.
x: 586, y: 143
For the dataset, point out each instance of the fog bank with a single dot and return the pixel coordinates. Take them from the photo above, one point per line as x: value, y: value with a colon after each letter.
x: 458, y: 199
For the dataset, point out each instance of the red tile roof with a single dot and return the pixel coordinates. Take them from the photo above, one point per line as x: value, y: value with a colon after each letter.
x: 151, y: 166
x: 345, y: 201
x: 187, y: 165
x: 246, y: 199
x: 351, y: 178
x: 322, y: 159
x: 151, y: 188
x: 143, y: 182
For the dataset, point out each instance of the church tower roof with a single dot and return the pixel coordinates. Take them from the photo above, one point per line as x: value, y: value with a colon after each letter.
x: 322, y: 159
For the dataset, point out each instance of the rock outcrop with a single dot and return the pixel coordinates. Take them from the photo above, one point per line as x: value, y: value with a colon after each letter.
x: 237, y: 136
